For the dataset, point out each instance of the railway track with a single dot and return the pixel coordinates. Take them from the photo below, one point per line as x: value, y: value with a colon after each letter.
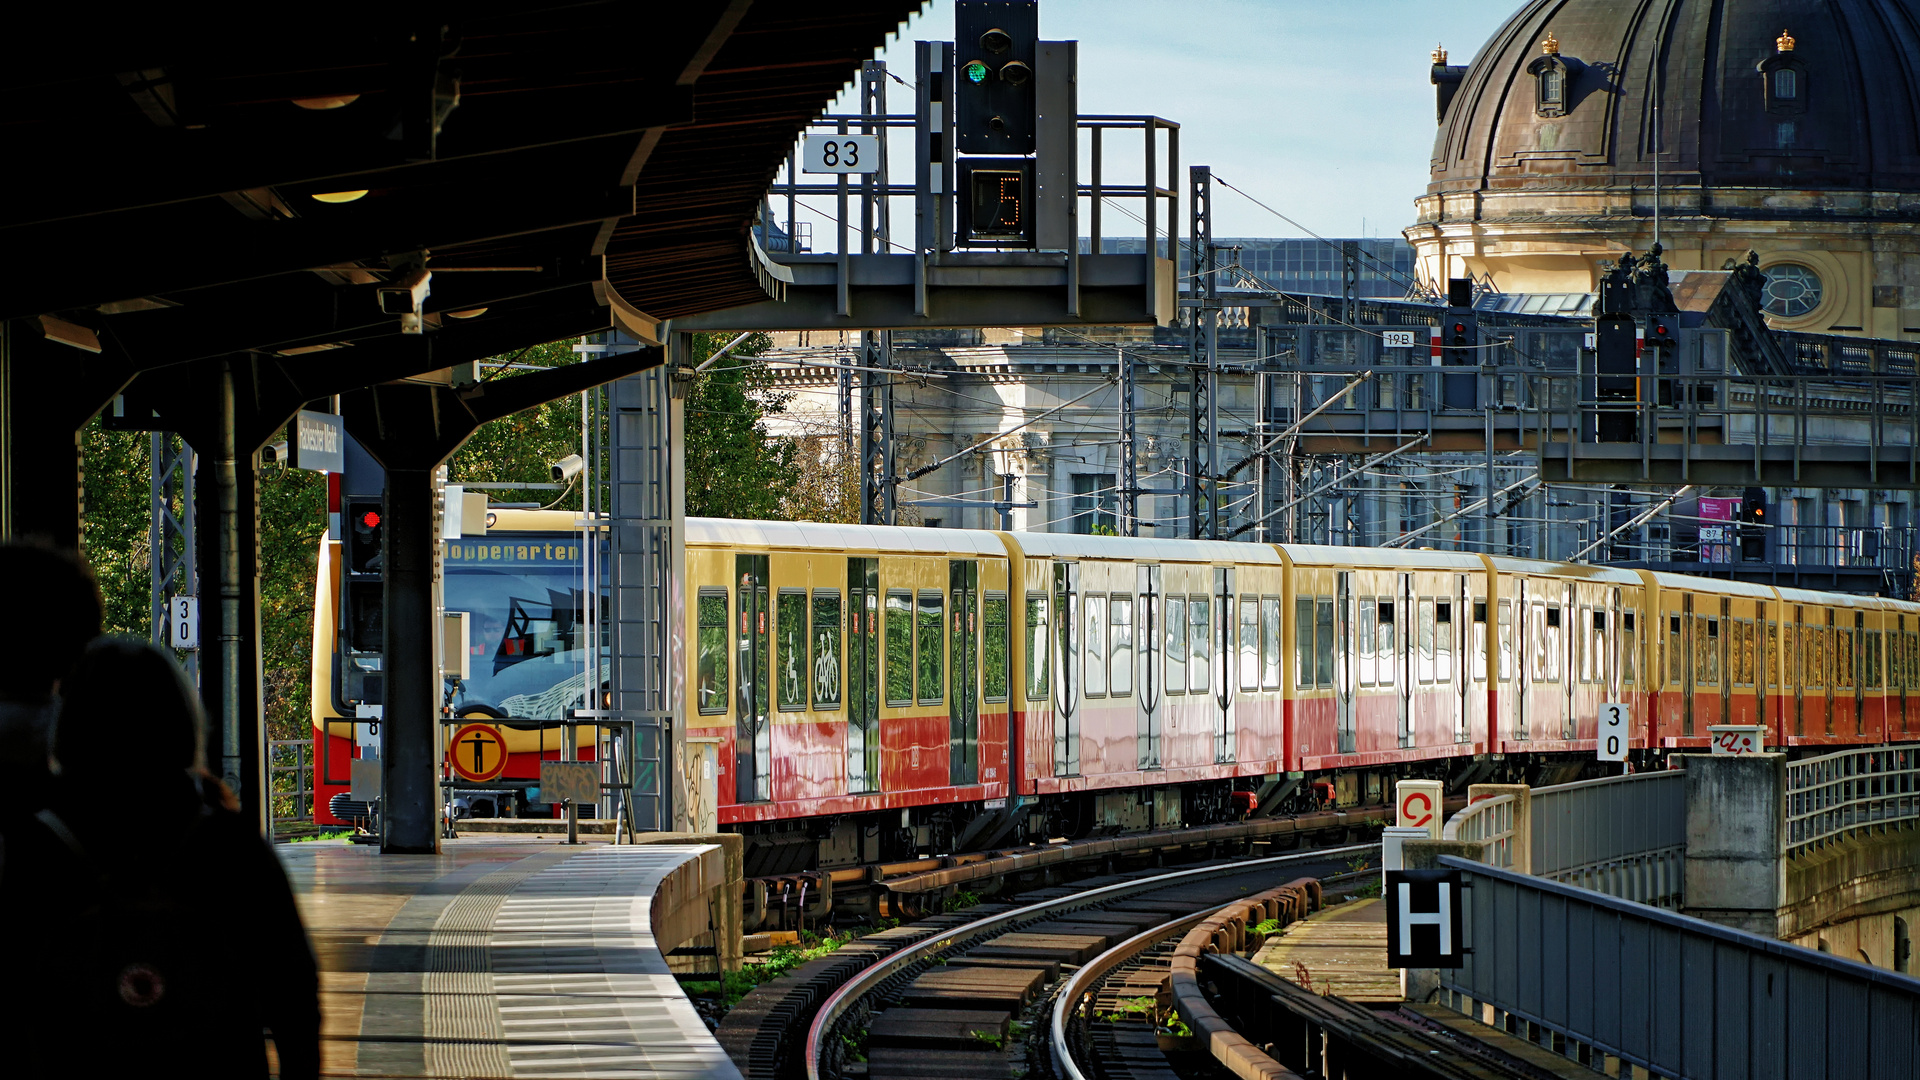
x: 952, y: 1003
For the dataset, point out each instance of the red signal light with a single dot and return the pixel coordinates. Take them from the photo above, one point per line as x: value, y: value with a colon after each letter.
x: 371, y: 519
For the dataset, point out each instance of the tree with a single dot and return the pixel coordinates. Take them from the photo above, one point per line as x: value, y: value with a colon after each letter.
x: 734, y: 468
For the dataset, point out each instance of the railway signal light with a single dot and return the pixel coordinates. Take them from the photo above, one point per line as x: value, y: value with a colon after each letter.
x: 996, y: 202
x: 362, y: 586
x: 994, y: 108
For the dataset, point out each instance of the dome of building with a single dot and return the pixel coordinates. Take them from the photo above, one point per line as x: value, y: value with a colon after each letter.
x: 1789, y: 127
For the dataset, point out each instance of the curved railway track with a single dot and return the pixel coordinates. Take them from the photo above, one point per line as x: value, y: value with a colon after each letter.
x: 949, y: 1000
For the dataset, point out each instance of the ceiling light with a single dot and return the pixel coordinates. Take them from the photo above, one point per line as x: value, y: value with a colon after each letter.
x: 319, y: 104
x: 339, y: 196
x: 470, y: 313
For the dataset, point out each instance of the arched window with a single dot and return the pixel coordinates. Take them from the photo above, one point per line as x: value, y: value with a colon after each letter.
x: 1553, y: 89
x: 1786, y: 85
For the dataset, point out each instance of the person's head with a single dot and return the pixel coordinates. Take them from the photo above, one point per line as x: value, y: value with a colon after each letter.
x: 57, y: 594
x: 127, y: 711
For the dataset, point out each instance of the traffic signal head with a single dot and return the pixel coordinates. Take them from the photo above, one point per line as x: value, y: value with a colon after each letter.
x: 996, y: 42
x: 365, y: 533
x: 995, y: 202
x: 1661, y: 333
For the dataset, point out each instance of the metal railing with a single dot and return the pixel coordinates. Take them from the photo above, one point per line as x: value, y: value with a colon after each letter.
x: 294, y: 801
x: 1837, y: 795
x: 1625, y: 836
x: 1491, y: 823
x: 1882, y: 547
x: 1675, y: 996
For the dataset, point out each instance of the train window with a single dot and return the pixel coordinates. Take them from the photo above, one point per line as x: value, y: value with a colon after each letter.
x: 1369, y: 673
x: 1120, y: 651
x: 899, y: 647
x: 1913, y: 659
x: 1554, y: 643
x: 1845, y: 658
x: 1176, y: 645
x: 1813, y: 665
x: 1629, y: 649
x: 1674, y: 659
x: 711, y: 671
x: 1249, y: 659
x: 790, y: 649
x: 930, y: 625
x: 1200, y: 639
x: 1038, y: 650
x: 1383, y: 641
x: 1423, y: 628
x: 1770, y: 656
x: 1303, y: 644
x: 1323, y: 641
x: 1094, y: 611
x: 1706, y: 651
x: 825, y: 665
x: 1506, y: 641
x: 994, y: 668
x: 1749, y: 639
x: 1478, y: 662
x: 1599, y: 647
x: 1443, y: 641
x: 1872, y: 638
x: 1896, y: 658
x: 1270, y: 643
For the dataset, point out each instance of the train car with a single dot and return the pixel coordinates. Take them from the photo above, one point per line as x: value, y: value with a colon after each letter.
x: 1570, y: 641
x: 1709, y: 655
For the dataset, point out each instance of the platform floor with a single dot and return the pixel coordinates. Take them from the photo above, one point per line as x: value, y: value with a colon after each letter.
x: 1342, y: 951
x: 500, y: 957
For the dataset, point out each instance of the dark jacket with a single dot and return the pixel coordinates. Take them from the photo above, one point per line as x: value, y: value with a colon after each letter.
x: 161, y: 934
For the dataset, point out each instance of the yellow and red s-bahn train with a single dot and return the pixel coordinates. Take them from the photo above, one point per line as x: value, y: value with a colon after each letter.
x: 878, y: 692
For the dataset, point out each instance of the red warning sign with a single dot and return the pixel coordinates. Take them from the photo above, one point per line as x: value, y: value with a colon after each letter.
x: 478, y: 752
x: 1417, y: 805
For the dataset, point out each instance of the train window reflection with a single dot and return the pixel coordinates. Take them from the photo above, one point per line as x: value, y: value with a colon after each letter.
x: 1369, y: 673
x: 899, y: 647
x: 1095, y: 647
x: 1506, y: 641
x: 1270, y: 642
x: 1120, y: 629
x: 1383, y: 642
x: 1323, y: 641
x: 1629, y: 659
x: 994, y: 671
x: 1479, y: 643
x: 711, y: 676
x: 1303, y: 669
x: 790, y: 649
x: 826, y: 649
x: 1200, y: 637
x: 1249, y: 643
x: 1176, y: 645
x: 931, y: 625
x: 1423, y: 628
x: 1443, y: 641
x: 1038, y: 653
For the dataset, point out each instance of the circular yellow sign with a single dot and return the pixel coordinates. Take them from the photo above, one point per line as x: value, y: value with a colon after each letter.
x: 478, y: 752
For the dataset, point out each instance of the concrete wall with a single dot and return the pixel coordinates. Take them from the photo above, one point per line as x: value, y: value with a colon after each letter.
x: 1735, y: 875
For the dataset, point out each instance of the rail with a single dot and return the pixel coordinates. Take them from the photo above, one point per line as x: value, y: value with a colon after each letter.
x: 1625, y: 836
x: 1837, y: 795
x: 842, y: 1002
x: 1492, y: 822
x: 1088, y: 978
x: 1672, y: 995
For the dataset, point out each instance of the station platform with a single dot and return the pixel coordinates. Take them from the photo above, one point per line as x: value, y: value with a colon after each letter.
x: 500, y: 957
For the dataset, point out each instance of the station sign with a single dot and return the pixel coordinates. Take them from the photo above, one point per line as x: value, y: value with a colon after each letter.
x: 840, y: 154
x: 1616, y: 722
x: 1417, y: 805
x: 319, y: 442
x: 1424, y: 919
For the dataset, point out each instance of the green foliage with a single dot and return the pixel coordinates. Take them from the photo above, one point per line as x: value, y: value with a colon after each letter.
x: 960, y: 901
x: 734, y: 468
x: 522, y: 447
x: 779, y: 961
x: 1266, y: 926
x: 991, y: 1038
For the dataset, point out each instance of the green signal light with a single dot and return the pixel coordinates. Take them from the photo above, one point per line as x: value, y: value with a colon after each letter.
x: 976, y: 71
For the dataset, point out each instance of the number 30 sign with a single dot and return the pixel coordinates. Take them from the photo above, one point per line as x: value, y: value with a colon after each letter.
x: 841, y: 154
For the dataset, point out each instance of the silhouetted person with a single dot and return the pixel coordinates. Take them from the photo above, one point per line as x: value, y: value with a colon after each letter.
x: 58, y: 604
x: 167, y: 935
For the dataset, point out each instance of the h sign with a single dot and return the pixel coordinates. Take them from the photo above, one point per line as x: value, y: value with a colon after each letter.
x: 1423, y: 919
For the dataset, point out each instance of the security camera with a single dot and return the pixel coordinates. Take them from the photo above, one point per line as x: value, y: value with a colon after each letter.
x: 567, y: 468
x: 274, y: 452
x: 405, y: 294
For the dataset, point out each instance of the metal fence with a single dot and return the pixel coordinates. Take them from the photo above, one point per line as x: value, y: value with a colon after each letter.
x: 1491, y: 823
x: 1837, y: 795
x: 290, y: 799
x: 1678, y: 997
x: 1625, y: 836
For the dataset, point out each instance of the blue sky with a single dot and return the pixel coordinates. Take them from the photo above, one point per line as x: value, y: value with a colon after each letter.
x: 1321, y: 110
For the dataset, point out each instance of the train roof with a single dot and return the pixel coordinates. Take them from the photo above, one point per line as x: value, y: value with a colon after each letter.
x: 1718, y: 586
x: 817, y: 534
x: 1052, y: 545
x: 1414, y: 559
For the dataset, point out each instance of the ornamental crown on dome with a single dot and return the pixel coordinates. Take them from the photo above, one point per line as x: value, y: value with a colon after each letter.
x: 1784, y: 42
x: 1439, y: 53
x: 1550, y: 45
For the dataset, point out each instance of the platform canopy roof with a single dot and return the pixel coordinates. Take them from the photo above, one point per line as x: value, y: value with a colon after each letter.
x: 180, y: 183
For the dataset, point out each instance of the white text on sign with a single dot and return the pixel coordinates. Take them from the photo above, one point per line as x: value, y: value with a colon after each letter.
x: 841, y: 154
x: 1616, y: 718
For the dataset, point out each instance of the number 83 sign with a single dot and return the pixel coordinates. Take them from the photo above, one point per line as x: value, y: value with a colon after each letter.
x: 840, y: 154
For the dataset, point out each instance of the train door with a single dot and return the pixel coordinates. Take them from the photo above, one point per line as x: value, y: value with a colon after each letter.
x: 753, y: 731
x: 863, y: 675
x: 963, y: 648
x: 1610, y: 682
x: 1066, y: 667
x: 1570, y: 650
x: 1525, y: 628
x: 1460, y: 631
x: 1861, y: 670
x: 1343, y: 696
x: 1407, y: 623
x: 1224, y: 652
x: 1897, y: 675
x: 1690, y: 651
x: 1830, y: 669
x: 1152, y: 697
x: 1795, y: 640
x: 1727, y: 654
